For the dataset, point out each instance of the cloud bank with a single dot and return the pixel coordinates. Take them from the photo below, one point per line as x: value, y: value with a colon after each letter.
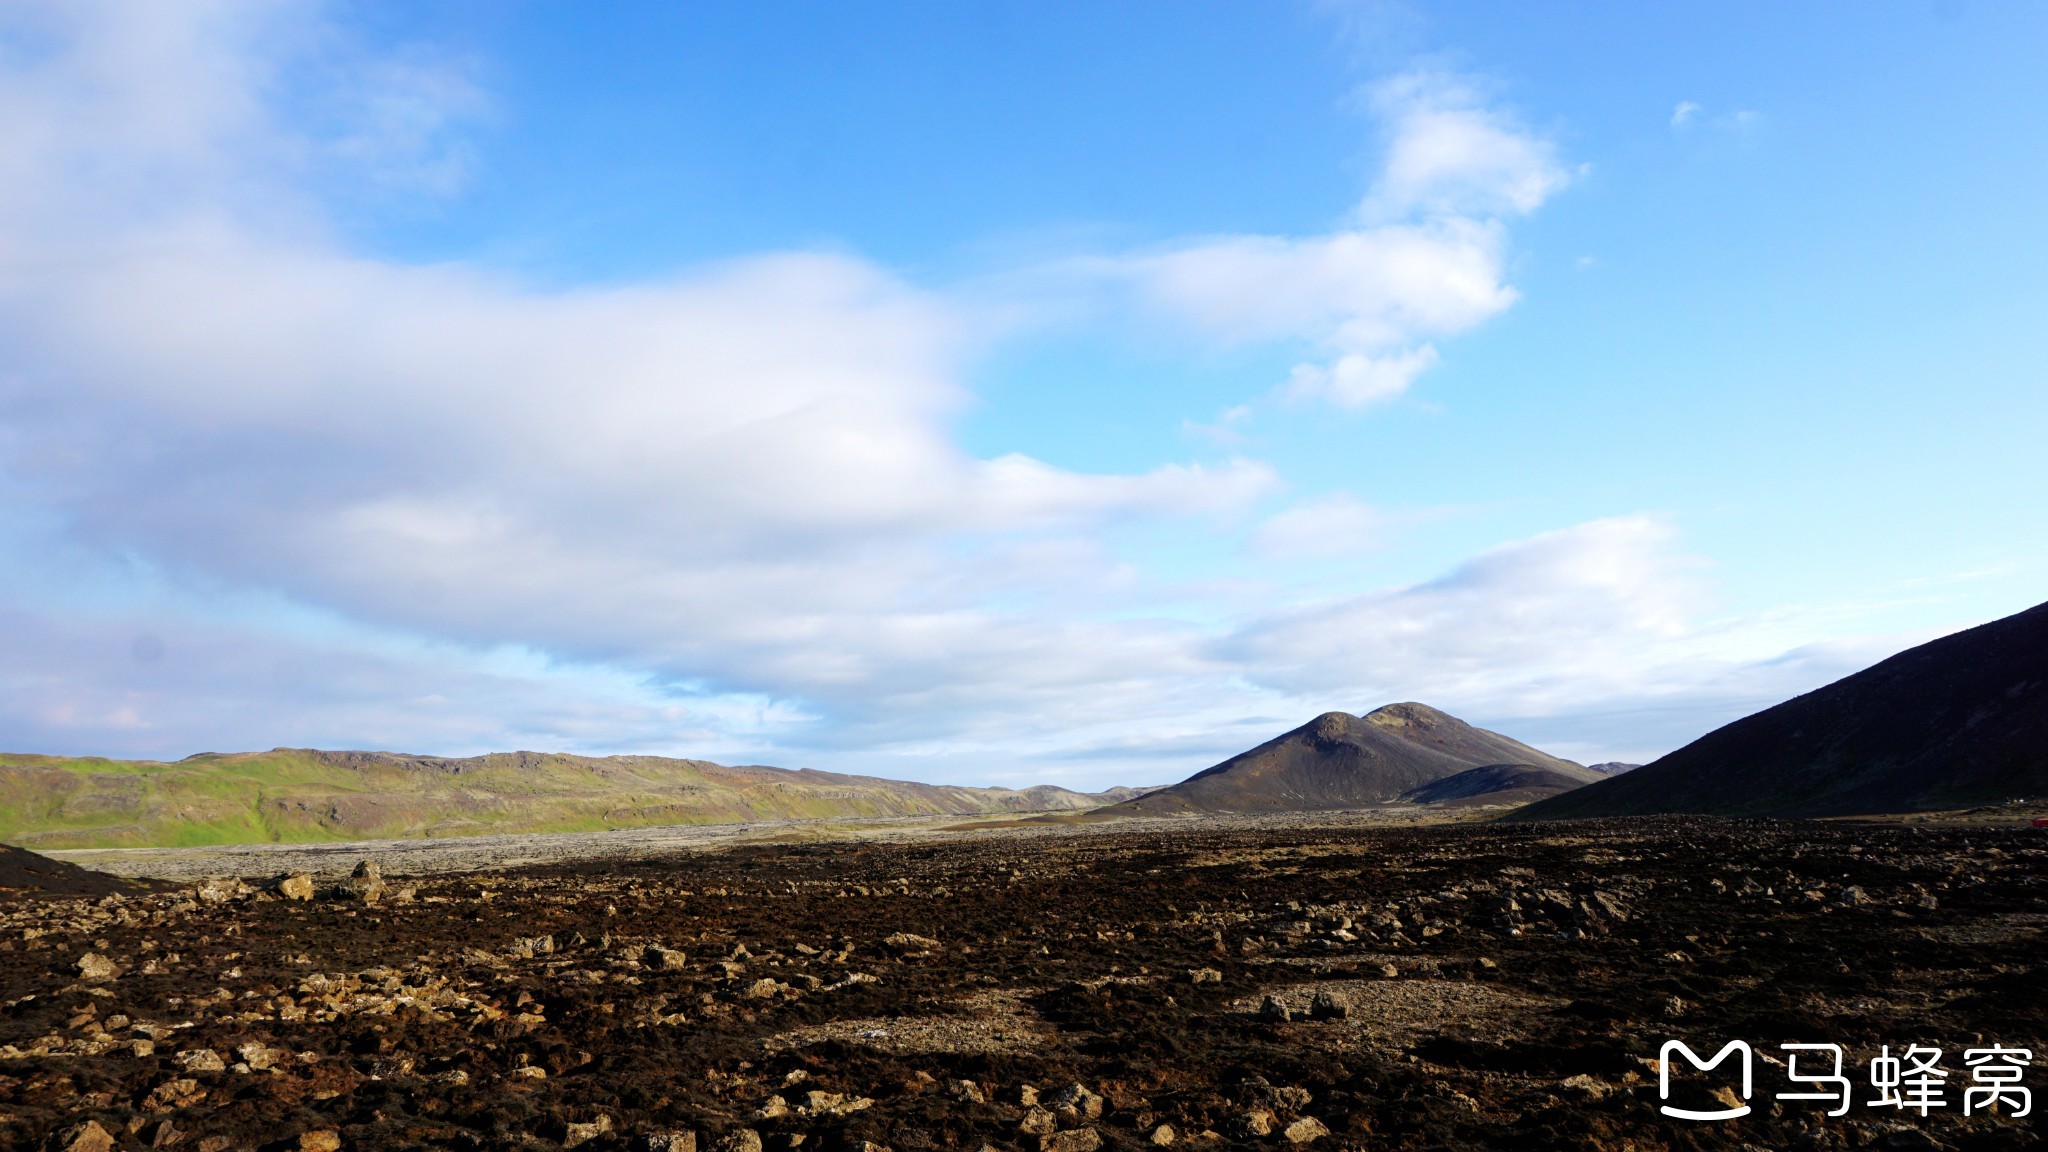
x: 257, y: 486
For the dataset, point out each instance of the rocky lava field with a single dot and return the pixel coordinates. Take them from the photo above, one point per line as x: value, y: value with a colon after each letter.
x: 1178, y: 984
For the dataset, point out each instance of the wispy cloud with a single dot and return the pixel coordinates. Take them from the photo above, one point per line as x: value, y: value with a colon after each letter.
x: 1690, y: 115
x: 1422, y: 258
x: 1339, y: 524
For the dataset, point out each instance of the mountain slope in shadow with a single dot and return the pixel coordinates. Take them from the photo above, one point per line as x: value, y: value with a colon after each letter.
x: 1956, y: 722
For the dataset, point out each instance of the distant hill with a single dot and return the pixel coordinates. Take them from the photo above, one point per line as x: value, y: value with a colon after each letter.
x: 1342, y: 761
x: 298, y: 795
x: 1613, y: 767
x: 1960, y: 721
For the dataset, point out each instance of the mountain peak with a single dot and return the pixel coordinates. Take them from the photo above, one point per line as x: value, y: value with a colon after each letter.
x: 1339, y: 760
x: 1410, y: 714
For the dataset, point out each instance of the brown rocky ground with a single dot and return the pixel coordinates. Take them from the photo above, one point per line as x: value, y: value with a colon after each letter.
x: 1456, y: 987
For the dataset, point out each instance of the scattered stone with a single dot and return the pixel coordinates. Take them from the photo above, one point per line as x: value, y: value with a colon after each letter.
x: 201, y: 1060
x: 1288, y: 1099
x: 664, y: 959
x: 1327, y: 1007
x: 366, y: 883
x: 165, y: 1135
x: 1304, y: 1131
x: 320, y: 1140
x: 1255, y: 1123
x: 574, y: 1134
x: 1204, y: 976
x: 1075, y: 1103
x: 1072, y: 1140
x: 1389, y: 971
x: 1027, y: 1095
x: 910, y: 943
x: 527, y: 947
x: 86, y: 1137
x: 671, y: 1142
x: 1587, y: 1086
x: 764, y: 990
x: 93, y: 966
x: 1038, y: 1122
x: 297, y: 887
x: 969, y: 1091
x: 741, y: 1140
x: 1276, y: 1009
x: 1611, y: 906
x: 170, y: 1094
x: 219, y: 891
x: 1163, y: 1135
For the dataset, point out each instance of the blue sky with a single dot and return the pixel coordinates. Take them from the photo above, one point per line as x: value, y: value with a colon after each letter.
x: 1001, y: 392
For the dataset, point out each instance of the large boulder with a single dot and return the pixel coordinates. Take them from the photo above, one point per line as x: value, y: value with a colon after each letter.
x: 366, y: 883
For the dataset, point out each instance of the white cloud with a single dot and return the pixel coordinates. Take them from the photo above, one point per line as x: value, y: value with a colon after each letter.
x: 1225, y: 429
x: 723, y: 511
x: 1357, y: 380
x: 1449, y: 154
x: 744, y: 475
x: 1425, y: 258
x: 1526, y: 627
x: 1336, y: 525
x: 1361, y: 290
x: 1689, y: 115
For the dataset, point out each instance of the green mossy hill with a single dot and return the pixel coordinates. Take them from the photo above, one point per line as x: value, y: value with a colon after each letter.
x: 301, y: 795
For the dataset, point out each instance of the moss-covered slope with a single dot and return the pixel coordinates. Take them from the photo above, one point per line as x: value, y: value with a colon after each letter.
x: 300, y: 795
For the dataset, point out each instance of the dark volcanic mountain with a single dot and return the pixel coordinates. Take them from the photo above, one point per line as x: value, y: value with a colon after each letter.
x: 1342, y: 761
x: 1956, y: 722
x: 1496, y: 784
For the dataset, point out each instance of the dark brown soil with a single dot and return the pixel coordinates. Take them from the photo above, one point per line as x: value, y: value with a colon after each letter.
x: 24, y: 873
x: 1536, y: 970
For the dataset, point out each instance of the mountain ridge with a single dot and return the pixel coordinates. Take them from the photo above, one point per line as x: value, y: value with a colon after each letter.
x: 310, y: 795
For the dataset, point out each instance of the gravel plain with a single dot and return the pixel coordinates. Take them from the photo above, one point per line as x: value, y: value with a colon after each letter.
x: 1330, y: 983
